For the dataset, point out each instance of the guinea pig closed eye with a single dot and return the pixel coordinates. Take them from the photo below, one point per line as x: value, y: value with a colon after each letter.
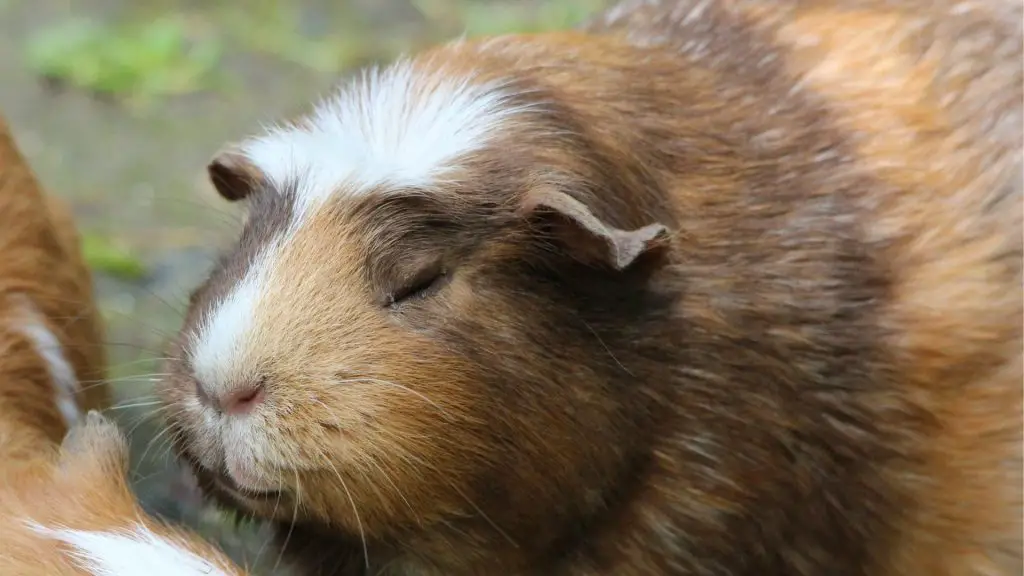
x: 700, y: 288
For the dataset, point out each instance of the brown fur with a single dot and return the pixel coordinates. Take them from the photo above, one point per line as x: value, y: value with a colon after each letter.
x: 40, y: 260
x: 82, y: 486
x: 821, y: 374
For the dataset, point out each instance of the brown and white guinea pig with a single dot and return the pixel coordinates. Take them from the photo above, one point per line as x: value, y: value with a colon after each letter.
x: 64, y: 510
x: 703, y: 287
x: 52, y: 360
x: 70, y: 512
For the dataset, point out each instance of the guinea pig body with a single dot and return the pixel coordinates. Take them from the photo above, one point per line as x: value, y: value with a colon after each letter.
x: 50, y: 335
x: 65, y: 505
x: 68, y: 511
x: 703, y: 288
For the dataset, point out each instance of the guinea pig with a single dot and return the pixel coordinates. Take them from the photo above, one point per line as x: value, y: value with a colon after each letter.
x: 69, y: 512
x: 701, y: 287
x: 52, y: 360
x: 64, y: 510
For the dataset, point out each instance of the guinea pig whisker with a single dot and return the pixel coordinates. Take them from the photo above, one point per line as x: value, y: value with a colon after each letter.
x: 277, y: 504
x: 140, y: 478
x: 333, y: 425
x: 68, y: 320
x: 130, y: 363
x: 411, y: 460
x: 484, y: 515
x: 139, y: 397
x: 373, y: 461
x: 177, y: 310
x: 206, y: 209
x: 355, y: 511
x: 149, y: 416
x: 134, y: 346
x: 90, y: 384
x: 419, y: 395
x: 605, y: 346
x: 291, y: 526
x: 134, y: 405
x: 153, y: 377
x: 146, y: 416
x: 152, y: 441
x: 164, y: 449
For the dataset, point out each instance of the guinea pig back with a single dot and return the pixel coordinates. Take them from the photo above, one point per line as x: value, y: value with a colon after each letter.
x: 703, y: 287
x: 52, y: 361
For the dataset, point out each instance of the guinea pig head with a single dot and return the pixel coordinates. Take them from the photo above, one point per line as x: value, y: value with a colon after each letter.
x: 418, y: 324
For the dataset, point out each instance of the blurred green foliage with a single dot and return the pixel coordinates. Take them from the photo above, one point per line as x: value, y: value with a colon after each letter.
x: 273, y: 28
x: 104, y: 255
x: 142, y: 61
x: 480, y: 18
x: 135, y: 62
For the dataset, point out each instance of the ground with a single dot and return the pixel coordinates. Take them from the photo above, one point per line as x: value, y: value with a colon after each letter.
x: 118, y: 105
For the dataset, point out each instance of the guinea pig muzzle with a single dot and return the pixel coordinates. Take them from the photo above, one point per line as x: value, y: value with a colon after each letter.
x: 220, y: 486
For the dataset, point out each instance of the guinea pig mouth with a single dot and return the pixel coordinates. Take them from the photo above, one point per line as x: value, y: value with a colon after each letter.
x: 224, y: 488
x: 227, y: 485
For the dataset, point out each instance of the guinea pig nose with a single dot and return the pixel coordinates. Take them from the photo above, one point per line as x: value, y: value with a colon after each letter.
x: 242, y: 400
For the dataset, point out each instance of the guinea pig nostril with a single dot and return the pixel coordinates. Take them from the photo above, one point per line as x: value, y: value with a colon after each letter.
x: 242, y: 400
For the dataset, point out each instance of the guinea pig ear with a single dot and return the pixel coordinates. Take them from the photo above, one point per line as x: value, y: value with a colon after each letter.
x: 232, y: 174
x: 591, y: 239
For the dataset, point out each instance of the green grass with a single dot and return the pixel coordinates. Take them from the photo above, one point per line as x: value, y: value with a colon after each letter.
x: 137, y: 62
x: 104, y: 255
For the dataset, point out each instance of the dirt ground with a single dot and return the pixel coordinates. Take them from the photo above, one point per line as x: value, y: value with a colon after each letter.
x: 132, y: 168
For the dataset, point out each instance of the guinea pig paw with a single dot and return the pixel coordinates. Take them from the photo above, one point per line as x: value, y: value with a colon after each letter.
x: 97, y: 439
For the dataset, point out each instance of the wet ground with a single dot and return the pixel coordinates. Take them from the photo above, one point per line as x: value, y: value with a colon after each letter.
x: 132, y: 167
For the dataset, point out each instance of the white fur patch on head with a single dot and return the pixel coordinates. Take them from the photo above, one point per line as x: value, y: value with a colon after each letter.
x: 397, y: 127
x: 31, y: 324
x: 135, y: 552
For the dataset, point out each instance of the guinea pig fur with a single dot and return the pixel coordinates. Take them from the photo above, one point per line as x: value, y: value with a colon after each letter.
x: 69, y: 512
x: 50, y: 334
x: 64, y: 510
x: 702, y: 287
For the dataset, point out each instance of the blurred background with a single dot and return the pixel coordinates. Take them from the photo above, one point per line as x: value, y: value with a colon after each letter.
x: 118, y: 105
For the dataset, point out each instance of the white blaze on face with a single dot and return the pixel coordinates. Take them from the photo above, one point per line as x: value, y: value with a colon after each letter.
x: 132, y: 552
x: 32, y: 325
x: 397, y: 127
x: 218, y: 346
